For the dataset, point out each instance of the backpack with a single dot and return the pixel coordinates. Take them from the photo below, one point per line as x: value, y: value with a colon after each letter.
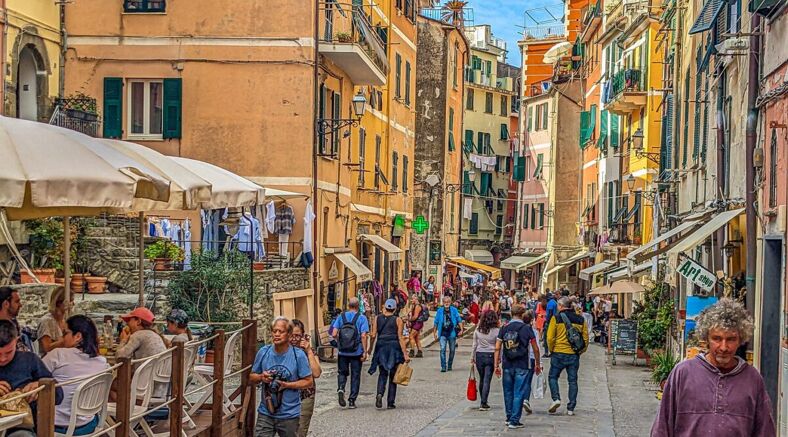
x: 573, y: 336
x: 448, y: 326
x: 512, y: 348
x: 424, y: 315
x: 505, y: 304
x: 348, y: 338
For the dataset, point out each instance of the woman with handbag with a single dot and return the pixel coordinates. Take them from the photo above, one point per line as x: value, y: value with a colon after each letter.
x: 483, y: 352
x: 390, y: 352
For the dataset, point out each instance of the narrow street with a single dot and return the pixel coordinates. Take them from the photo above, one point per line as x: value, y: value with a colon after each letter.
x: 613, y: 400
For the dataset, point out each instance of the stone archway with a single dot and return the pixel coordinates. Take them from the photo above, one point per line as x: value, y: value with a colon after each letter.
x: 28, y: 92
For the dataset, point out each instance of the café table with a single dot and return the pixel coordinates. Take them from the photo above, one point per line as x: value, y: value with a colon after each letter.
x: 8, y: 422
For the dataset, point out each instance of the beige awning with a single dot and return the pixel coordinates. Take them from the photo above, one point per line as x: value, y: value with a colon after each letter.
x: 624, y: 272
x: 700, y: 234
x: 355, y: 265
x: 602, y: 289
x: 227, y: 189
x: 587, y: 272
x: 395, y: 253
x: 624, y: 286
x: 480, y: 256
x: 575, y: 258
x: 644, y: 249
x: 522, y: 262
x: 555, y: 269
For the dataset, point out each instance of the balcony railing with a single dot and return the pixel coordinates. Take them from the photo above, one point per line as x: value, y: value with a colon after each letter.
x: 344, y: 24
x: 629, y: 79
x: 625, y: 233
x: 460, y: 18
x: 544, y: 32
x: 78, y: 114
x: 562, y: 70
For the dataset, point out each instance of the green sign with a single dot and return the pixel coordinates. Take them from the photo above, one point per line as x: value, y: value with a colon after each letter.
x: 399, y: 226
x: 420, y: 225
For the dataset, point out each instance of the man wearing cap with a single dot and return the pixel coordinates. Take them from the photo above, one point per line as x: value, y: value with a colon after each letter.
x: 138, y: 339
x: 178, y: 326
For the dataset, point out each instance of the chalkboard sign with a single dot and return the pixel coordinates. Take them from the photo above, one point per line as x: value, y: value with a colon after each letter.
x: 624, y: 335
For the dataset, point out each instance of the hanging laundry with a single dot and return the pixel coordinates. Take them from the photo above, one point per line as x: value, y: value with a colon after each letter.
x: 467, y: 209
x: 309, y: 217
x: 285, y: 220
x: 187, y: 244
x: 270, y: 217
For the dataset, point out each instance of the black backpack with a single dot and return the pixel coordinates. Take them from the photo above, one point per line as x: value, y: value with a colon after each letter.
x: 448, y: 326
x: 348, y: 339
x: 573, y: 336
x: 513, y: 349
x: 424, y: 315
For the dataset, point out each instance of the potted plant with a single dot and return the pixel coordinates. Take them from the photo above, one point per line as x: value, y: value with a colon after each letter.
x: 163, y: 253
x: 655, y: 317
x: 344, y: 37
x: 46, y: 247
x: 664, y: 362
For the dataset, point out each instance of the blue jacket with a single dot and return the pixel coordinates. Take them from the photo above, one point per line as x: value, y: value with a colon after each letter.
x: 454, y: 315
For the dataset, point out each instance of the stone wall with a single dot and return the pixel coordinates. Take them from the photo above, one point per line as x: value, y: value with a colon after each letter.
x: 112, y: 244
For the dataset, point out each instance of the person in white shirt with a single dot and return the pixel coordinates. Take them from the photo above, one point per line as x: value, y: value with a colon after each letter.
x: 77, y: 358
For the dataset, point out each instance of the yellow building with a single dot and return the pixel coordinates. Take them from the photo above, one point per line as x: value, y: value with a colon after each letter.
x: 32, y: 64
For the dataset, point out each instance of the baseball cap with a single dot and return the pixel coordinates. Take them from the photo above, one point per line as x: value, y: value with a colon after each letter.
x: 141, y: 313
x: 390, y: 304
x: 178, y: 316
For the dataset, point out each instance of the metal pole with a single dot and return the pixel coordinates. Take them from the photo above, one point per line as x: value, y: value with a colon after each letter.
x: 67, y: 259
x: 426, y: 274
x: 315, y: 205
x: 141, y: 254
x: 251, y: 263
x: 751, y: 140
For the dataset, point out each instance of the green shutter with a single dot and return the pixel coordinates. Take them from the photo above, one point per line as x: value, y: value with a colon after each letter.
x: 525, y: 216
x: 530, y: 117
x: 113, y: 107
x: 485, y: 185
x: 585, y: 123
x: 467, y: 185
x: 480, y: 143
x: 519, y: 169
x: 487, y: 144
x: 451, y: 141
x: 541, y: 216
x: 614, y: 134
x: 468, y: 146
x: 603, y: 123
x: 504, y: 132
x: 173, y: 97
x: 474, y: 226
x: 544, y: 116
x: 538, y: 169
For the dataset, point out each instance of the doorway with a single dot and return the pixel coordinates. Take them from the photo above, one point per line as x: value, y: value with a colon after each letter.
x: 771, y: 309
x: 27, y: 86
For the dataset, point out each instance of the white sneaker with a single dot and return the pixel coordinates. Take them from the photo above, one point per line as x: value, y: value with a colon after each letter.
x: 527, y: 407
x: 570, y: 413
x: 554, y: 407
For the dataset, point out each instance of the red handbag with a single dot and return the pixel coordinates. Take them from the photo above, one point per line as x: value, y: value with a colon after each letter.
x: 471, y: 391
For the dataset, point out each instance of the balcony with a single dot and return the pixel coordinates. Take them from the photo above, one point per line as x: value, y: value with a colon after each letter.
x: 625, y: 10
x: 78, y: 114
x: 557, y: 31
x: 348, y: 39
x: 591, y: 21
x: 625, y: 93
x: 627, y: 234
x: 460, y: 17
x: 562, y: 70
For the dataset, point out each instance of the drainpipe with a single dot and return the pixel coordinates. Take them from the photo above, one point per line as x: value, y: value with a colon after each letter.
x: 751, y: 140
x: 315, y: 248
x: 63, y: 46
x: 722, y: 177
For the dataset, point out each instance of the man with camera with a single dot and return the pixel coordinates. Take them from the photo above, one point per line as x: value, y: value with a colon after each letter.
x: 283, y: 371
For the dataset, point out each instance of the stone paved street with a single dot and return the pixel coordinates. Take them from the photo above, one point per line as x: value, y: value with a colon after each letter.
x: 612, y: 401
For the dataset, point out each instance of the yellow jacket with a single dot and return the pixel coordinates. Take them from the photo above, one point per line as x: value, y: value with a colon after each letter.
x: 556, y: 332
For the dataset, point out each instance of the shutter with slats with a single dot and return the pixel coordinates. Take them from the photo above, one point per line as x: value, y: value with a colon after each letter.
x: 530, y: 118
x: 504, y: 132
x: 519, y: 169
x: 614, y: 131
x: 113, y: 107
x: 487, y: 143
x: 173, y: 96
x: 480, y: 144
x: 585, y: 122
x: 468, y: 146
x: 668, y: 127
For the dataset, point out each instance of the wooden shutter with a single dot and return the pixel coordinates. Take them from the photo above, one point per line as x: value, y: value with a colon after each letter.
x: 487, y: 143
x: 525, y: 216
x: 614, y: 133
x: 544, y: 116
x: 467, y: 185
x: 404, y: 174
x: 398, y: 85
x: 480, y: 144
x: 394, y: 172
x: 519, y: 169
x: 468, y: 146
x: 474, y: 227
x: 113, y: 107
x: 585, y: 117
x: 407, y: 83
x: 541, y: 216
x: 504, y: 131
x: 530, y: 118
x: 362, y: 155
x: 173, y: 90
x: 336, y: 111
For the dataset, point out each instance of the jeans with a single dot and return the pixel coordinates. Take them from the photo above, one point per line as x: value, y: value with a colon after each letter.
x: 452, y: 344
x: 529, y: 377
x: 267, y: 426
x: 485, y: 366
x: 386, y: 377
x: 545, y: 349
x: 349, y: 366
x: 513, y: 385
x: 559, y: 362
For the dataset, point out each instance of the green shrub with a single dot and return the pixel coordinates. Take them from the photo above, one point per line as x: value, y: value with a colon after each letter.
x: 663, y: 363
x: 164, y: 249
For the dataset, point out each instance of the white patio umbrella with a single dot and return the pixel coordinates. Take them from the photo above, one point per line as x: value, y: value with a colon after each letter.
x: 227, y: 188
x: 48, y: 171
x: 556, y: 52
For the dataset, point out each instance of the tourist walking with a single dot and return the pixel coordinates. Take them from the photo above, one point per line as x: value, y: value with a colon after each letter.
x: 429, y: 291
x: 716, y: 393
x: 483, y: 353
x: 550, y: 310
x: 350, y: 332
x: 505, y: 303
x: 418, y: 314
x: 390, y: 351
x: 448, y: 324
x: 284, y: 371
x: 533, y: 355
x: 300, y: 339
x: 567, y: 338
x: 511, y: 347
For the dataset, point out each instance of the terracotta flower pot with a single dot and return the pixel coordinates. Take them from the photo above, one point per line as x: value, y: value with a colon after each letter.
x: 78, y: 282
x: 96, y: 284
x: 161, y: 264
x: 209, y: 356
x: 44, y: 275
x: 258, y: 266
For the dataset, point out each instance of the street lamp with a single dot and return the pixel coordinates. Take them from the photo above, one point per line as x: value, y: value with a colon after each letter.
x: 327, y: 126
x: 637, y: 145
x: 359, y: 102
x: 631, y: 182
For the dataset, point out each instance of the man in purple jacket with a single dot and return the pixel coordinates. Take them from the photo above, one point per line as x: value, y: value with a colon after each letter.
x: 716, y: 393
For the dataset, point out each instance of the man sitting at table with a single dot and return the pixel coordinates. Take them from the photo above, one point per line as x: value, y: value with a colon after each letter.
x: 20, y: 370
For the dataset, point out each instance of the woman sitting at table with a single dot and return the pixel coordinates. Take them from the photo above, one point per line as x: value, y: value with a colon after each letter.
x: 50, y: 328
x: 138, y: 339
x: 178, y: 326
x: 77, y: 357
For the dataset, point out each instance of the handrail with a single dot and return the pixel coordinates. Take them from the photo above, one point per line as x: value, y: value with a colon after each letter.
x: 85, y: 378
x: 200, y: 388
x: 150, y: 410
x: 227, y: 334
x: 237, y: 372
x: 106, y: 430
x: 153, y: 357
x: 204, y: 340
x: 23, y: 395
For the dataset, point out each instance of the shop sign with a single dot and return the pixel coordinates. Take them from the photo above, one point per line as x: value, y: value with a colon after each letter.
x: 435, y: 252
x: 420, y: 224
x: 333, y: 272
x: 399, y: 226
x: 697, y: 274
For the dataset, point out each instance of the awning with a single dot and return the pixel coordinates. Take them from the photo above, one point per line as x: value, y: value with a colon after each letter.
x: 555, y: 269
x: 355, y: 265
x: 654, y: 243
x: 395, y: 253
x: 702, y: 233
x: 587, y: 272
x: 522, y: 262
x: 480, y: 256
x: 623, y: 272
x: 624, y: 286
x: 603, y: 289
x: 493, y: 272
x: 575, y: 258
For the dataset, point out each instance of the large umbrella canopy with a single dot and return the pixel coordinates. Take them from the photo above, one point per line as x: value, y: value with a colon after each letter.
x: 624, y: 286
x: 557, y: 52
x: 227, y: 188
x: 187, y: 189
x: 51, y: 171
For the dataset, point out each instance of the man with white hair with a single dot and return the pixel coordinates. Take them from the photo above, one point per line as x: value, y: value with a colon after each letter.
x: 351, y: 329
x: 716, y: 393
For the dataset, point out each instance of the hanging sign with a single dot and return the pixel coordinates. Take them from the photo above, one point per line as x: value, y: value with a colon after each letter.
x: 399, y: 226
x: 333, y: 272
x: 697, y: 274
x: 420, y: 224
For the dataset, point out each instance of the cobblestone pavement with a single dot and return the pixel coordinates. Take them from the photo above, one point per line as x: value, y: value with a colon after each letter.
x: 434, y: 404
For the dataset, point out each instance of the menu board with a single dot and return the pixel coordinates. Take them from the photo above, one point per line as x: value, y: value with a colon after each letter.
x: 624, y: 335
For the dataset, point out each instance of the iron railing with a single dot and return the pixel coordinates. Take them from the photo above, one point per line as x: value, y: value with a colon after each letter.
x: 346, y: 24
x: 460, y: 18
x: 628, y: 79
x: 78, y: 114
x: 625, y: 233
x: 544, y: 32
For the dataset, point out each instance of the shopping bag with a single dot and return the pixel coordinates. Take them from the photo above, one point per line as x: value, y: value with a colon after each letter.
x: 403, y: 374
x: 471, y: 391
x: 538, y: 386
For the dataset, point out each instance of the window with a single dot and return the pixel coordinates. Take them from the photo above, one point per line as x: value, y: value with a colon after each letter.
x: 321, y: 113
x: 398, y: 76
x: 144, y: 6
x: 146, y: 116
x: 486, y: 183
x: 377, y: 162
x: 336, y: 113
x: 544, y: 116
x: 468, y: 146
x: 498, y: 224
x: 533, y: 216
x: 530, y: 118
x: 538, y: 169
x: 504, y: 106
x: 541, y: 216
x: 394, y: 171
x: 469, y: 100
x: 362, y: 152
x: 525, y: 216
x: 407, y: 83
x: 488, y: 103
x: 611, y: 201
x: 404, y: 174
x: 504, y: 132
x: 451, y: 129
x: 113, y: 107
x: 473, y: 229
x: 454, y: 57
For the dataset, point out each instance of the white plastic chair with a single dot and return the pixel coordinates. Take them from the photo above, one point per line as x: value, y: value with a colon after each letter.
x: 90, y: 399
x: 204, y: 374
x: 141, y: 392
